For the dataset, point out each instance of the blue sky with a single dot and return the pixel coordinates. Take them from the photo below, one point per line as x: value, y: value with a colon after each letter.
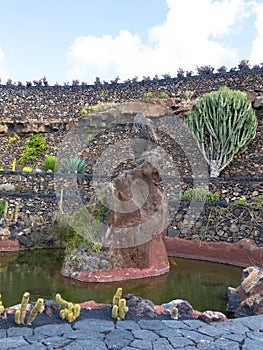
x: 82, y: 39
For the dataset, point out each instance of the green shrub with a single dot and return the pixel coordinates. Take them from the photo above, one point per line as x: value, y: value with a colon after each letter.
x: 33, y: 148
x: 163, y: 94
x: 223, y: 122
x: 148, y: 95
x: 73, y: 165
x: 199, y: 194
x: 2, y: 207
x: 100, y: 107
x: 50, y: 163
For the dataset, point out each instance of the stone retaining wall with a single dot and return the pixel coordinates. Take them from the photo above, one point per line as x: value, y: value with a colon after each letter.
x: 56, y: 108
x: 54, y: 111
x: 37, y: 202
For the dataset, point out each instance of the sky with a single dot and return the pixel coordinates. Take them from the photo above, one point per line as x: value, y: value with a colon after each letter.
x: 82, y: 39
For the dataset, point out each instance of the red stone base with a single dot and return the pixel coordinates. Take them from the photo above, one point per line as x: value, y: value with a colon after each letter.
x: 7, y: 245
x: 158, y: 265
x: 243, y: 253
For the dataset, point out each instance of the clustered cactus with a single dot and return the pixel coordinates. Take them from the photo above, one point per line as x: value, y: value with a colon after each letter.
x: 223, y: 122
x: 70, y: 312
x: 119, y: 308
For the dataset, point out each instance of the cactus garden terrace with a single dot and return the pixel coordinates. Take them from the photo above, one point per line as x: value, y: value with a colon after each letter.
x: 229, y: 229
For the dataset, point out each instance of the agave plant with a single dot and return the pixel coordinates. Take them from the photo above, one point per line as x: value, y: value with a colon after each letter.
x: 50, y: 163
x: 73, y: 165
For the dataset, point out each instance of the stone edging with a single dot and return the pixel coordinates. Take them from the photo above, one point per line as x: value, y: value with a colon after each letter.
x: 243, y: 253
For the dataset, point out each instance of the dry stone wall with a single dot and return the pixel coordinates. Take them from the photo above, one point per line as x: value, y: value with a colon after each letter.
x: 54, y: 110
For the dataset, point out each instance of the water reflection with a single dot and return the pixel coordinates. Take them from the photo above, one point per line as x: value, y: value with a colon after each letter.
x: 203, y: 284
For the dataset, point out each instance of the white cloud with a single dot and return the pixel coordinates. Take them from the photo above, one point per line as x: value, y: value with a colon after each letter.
x: 192, y: 35
x: 256, y: 56
x: 3, y: 71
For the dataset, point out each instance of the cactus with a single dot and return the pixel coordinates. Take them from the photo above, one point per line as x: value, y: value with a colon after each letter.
x: 117, y: 296
x: 2, y: 308
x: 14, y: 165
x: 223, y: 122
x: 60, y: 301
x: 70, y: 312
x: 38, y: 308
x: 123, y: 309
x: 119, y: 311
x: 17, y: 317
x: 21, y: 314
x: 115, y: 312
x: 16, y: 214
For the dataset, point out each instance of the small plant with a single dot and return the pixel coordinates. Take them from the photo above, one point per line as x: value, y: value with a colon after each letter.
x: 244, y: 65
x: 188, y: 94
x: 73, y: 165
x: 100, y: 107
x: 12, y: 139
x: 222, y: 69
x: 148, y: 95
x: 14, y: 165
x: 204, y: 70
x: 2, y: 207
x: 163, y: 94
x: 180, y: 73
x: 33, y: 148
x: 199, y: 194
x: 50, y: 163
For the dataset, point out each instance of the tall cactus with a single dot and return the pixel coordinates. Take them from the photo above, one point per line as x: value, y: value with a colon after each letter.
x: 223, y: 122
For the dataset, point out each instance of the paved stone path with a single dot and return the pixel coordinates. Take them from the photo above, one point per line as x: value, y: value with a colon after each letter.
x: 244, y: 333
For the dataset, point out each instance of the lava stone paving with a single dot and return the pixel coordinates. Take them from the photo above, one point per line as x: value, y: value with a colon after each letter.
x: 99, y: 334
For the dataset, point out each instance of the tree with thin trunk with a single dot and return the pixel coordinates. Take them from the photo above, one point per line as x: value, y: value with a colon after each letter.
x: 223, y: 122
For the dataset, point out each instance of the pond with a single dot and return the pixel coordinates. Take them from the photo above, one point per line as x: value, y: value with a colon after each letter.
x: 203, y: 284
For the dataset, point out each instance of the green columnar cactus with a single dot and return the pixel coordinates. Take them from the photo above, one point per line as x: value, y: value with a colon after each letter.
x: 223, y: 122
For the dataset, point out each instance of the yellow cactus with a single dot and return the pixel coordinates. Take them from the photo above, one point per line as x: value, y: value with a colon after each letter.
x: 119, y: 311
x: 76, y: 310
x: 16, y: 214
x: 115, y: 312
x: 117, y: 296
x: 62, y: 314
x: 23, y: 309
x: 17, y: 317
x: 123, y: 309
x: 2, y: 308
x: 38, y: 308
x: 70, y: 312
x: 60, y: 301
x: 70, y: 317
x: 14, y: 165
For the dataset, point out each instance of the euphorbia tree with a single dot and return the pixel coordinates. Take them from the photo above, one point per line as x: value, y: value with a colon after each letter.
x: 223, y: 122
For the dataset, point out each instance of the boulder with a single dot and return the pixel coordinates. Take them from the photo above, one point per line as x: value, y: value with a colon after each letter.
x: 179, y: 309
x: 140, y: 307
x: 247, y: 299
x: 212, y: 316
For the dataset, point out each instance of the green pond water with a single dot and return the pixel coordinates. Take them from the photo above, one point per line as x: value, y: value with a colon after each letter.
x: 203, y: 284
